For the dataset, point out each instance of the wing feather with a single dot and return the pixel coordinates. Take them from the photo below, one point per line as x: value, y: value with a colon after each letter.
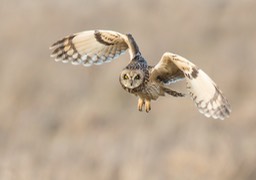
x: 203, y: 90
x: 90, y: 47
x: 166, y: 71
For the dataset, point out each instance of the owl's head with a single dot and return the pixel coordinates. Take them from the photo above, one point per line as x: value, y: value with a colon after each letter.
x: 131, y: 78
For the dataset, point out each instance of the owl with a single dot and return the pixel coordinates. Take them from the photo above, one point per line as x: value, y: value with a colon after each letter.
x: 96, y: 47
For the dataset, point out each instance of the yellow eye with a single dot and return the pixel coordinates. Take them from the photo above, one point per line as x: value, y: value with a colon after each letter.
x: 125, y: 76
x: 137, y: 77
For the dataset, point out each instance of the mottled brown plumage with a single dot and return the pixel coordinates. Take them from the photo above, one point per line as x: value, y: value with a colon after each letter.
x: 138, y: 78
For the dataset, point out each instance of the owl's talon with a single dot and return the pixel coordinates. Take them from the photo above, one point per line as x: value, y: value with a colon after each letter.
x: 141, y: 102
x: 147, y: 105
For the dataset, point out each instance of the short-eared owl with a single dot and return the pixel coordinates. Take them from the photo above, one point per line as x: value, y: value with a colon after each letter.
x: 147, y: 82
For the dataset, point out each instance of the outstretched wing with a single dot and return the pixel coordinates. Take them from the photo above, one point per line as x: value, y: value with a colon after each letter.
x: 90, y: 47
x: 207, y: 96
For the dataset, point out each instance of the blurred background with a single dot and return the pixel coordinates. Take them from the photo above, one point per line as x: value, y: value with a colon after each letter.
x: 62, y: 122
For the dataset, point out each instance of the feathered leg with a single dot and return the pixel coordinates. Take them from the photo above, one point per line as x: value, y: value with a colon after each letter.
x: 147, y: 105
x: 141, y: 102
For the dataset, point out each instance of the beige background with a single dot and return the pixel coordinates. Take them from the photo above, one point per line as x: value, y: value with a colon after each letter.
x: 64, y: 122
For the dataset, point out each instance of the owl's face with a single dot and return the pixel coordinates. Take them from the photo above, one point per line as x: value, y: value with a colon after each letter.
x: 131, y: 78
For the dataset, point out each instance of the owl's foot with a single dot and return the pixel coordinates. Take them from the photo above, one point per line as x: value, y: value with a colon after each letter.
x: 142, y: 102
x: 147, y: 105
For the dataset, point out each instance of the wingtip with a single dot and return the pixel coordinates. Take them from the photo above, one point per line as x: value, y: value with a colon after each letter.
x: 54, y: 45
x: 222, y: 114
x: 52, y: 55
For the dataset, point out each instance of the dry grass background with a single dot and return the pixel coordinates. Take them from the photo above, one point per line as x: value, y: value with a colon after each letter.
x: 63, y: 122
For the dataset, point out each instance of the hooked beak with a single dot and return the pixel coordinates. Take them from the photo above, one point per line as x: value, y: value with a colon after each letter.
x: 131, y: 83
